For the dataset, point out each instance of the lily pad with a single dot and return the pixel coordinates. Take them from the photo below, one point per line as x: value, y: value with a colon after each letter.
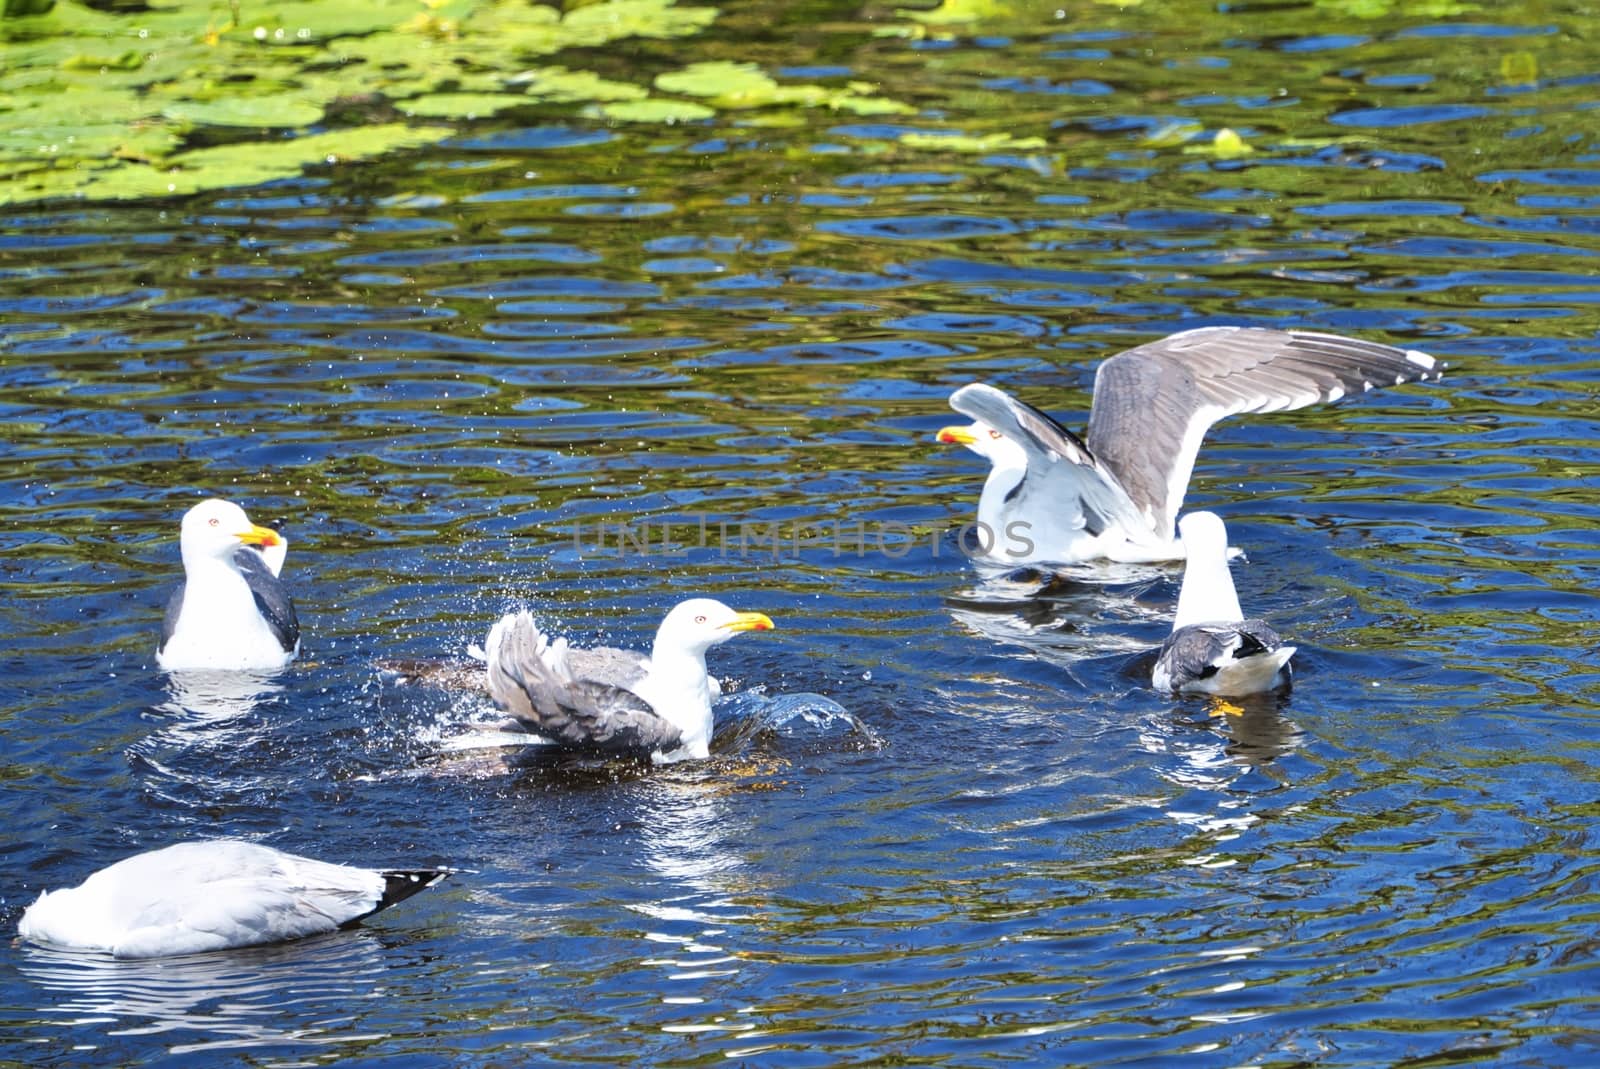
x: 958, y: 12
x: 971, y: 143
x: 221, y: 167
x: 283, y: 110
x: 869, y: 105
x: 560, y: 85
x: 1227, y: 144
x: 721, y: 78
x: 596, y: 24
x: 460, y: 105
x: 653, y: 110
x: 744, y: 85
x: 91, y: 92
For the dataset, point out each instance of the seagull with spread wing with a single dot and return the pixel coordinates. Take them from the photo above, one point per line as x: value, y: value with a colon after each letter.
x: 1115, y: 493
x: 613, y: 701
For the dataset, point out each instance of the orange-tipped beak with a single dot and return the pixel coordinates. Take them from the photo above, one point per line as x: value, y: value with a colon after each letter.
x: 258, y: 536
x: 956, y: 436
x: 748, y: 621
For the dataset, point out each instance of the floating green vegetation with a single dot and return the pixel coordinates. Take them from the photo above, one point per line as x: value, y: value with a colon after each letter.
x: 1378, y: 9
x: 950, y: 18
x: 1226, y: 144
x: 957, y: 12
x: 744, y: 85
x: 954, y: 142
x: 210, y: 95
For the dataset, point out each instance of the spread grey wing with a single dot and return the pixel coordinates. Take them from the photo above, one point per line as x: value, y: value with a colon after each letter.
x: 1062, y: 472
x: 271, y: 596
x: 575, y: 698
x: 1153, y: 404
x: 1200, y: 651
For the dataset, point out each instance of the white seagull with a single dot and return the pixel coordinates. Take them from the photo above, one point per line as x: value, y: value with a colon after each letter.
x: 1115, y: 493
x: 213, y: 895
x: 1213, y: 649
x: 615, y: 701
x: 232, y: 611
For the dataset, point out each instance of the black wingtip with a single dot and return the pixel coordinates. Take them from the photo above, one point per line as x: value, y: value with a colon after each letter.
x: 401, y: 884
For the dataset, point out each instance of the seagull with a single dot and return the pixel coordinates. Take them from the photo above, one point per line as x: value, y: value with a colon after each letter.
x: 1115, y: 493
x: 232, y: 611
x: 1213, y: 649
x: 213, y: 895
x: 615, y: 701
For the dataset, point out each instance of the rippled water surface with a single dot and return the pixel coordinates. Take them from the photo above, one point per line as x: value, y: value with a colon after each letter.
x: 457, y: 379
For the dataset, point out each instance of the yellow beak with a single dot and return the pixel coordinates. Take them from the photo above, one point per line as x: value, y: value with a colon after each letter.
x: 748, y: 621
x: 257, y: 536
x: 956, y: 436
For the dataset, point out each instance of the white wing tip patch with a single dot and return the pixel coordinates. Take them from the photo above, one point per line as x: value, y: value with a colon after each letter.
x: 1422, y: 360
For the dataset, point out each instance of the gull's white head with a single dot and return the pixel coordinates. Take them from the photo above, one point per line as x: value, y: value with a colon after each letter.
x: 215, y: 528
x: 988, y: 443
x: 1204, y: 536
x: 696, y: 625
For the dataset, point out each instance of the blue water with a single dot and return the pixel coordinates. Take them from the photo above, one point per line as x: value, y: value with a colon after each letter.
x: 458, y: 380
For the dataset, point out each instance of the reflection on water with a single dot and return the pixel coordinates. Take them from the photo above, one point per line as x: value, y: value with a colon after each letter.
x: 684, y: 830
x: 213, y: 1002
x: 207, y: 699
x: 1226, y: 748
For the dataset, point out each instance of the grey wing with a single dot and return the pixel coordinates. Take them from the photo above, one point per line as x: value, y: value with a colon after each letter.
x: 271, y: 596
x: 576, y: 698
x: 1061, y: 468
x: 169, y: 623
x: 1153, y: 404
x: 1200, y: 651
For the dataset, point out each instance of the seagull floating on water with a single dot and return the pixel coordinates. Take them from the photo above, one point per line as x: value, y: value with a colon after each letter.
x: 1115, y: 493
x: 1213, y: 649
x: 615, y: 701
x: 232, y: 611
x: 213, y: 895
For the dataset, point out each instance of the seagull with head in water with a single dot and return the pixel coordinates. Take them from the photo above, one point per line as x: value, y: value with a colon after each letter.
x: 612, y: 701
x: 231, y: 612
x: 1213, y: 649
x: 213, y: 895
x: 1115, y: 493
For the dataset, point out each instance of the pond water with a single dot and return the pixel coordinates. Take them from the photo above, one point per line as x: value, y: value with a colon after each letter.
x: 592, y: 369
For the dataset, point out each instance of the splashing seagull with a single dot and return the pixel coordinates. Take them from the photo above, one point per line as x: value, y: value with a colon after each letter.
x: 232, y: 611
x: 213, y: 895
x: 615, y: 701
x: 1115, y: 493
x: 1213, y: 649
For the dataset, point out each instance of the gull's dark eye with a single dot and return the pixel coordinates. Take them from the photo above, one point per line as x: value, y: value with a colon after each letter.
x: 994, y: 434
x: 699, y: 619
x: 213, y: 521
